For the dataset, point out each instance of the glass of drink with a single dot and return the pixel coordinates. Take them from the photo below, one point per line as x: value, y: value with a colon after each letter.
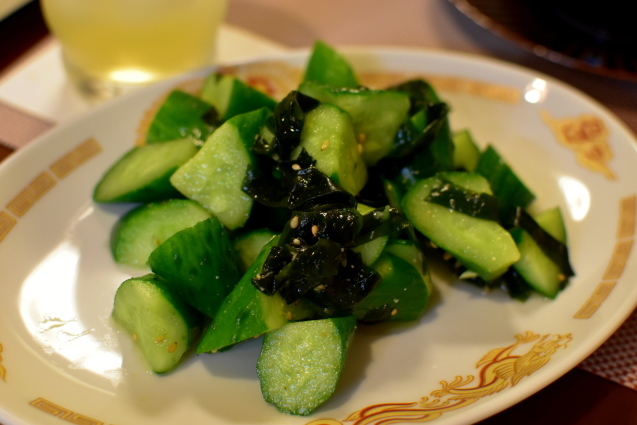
x: 110, y: 46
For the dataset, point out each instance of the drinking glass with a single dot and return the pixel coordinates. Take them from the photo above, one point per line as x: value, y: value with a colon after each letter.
x: 110, y: 46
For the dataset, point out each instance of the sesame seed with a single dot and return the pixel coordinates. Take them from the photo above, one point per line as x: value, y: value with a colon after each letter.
x: 315, y: 230
x: 294, y: 223
x: 296, y: 167
x: 325, y: 145
x: 172, y: 347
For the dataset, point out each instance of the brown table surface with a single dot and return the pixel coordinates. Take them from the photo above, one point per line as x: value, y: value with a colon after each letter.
x: 579, y: 397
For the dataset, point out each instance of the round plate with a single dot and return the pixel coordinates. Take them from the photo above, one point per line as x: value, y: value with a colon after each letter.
x: 580, y: 35
x: 471, y: 355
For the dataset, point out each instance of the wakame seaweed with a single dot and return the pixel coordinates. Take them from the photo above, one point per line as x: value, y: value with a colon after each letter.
x: 422, y: 145
x: 474, y: 204
x: 275, y: 180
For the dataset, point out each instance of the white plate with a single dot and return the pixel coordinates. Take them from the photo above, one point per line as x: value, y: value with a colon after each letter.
x: 61, y: 358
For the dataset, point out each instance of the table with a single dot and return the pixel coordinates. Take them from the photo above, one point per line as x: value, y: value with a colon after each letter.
x: 580, y: 397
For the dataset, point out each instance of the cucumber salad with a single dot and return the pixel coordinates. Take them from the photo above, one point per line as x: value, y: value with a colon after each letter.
x: 298, y: 219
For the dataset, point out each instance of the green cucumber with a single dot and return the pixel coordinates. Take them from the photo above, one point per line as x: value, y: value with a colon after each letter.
x: 199, y: 264
x: 537, y: 269
x: 161, y: 324
x: 246, y: 312
x: 376, y: 114
x: 466, y: 153
x: 144, y: 228
x: 505, y: 183
x: 402, y: 294
x: 143, y: 173
x: 370, y: 251
x: 300, y: 364
x: 327, y: 66
x: 248, y: 246
x: 328, y: 136
x: 230, y: 96
x: 182, y: 115
x: 410, y: 252
x: 481, y: 245
x: 214, y: 177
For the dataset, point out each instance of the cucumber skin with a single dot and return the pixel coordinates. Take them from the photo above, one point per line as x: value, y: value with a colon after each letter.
x: 245, y: 313
x: 199, y: 264
x: 158, y: 309
x: 483, y: 246
x: 534, y: 266
x: 214, y: 177
x: 179, y: 116
x: 403, y: 292
x: 230, y: 96
x: 327, y: 66
x: 144, y: 228
x: 300, y: 363
x: 139, y: 166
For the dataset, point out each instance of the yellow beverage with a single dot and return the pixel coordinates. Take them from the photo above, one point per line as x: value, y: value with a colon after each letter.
x: 109, y: 45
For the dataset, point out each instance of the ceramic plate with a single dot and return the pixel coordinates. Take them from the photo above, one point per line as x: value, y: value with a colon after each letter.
x: 470, y: 356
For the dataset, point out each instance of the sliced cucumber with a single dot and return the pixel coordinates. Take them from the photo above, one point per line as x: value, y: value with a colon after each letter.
x: 376, y: 114
x: 144, y: 228
x: 250, y: 244
x: 300, y: 364
x: 143, y: 173
x: 199, y: 264
x: 328, y: 136
x: 402, y: 294
x: 231, y: 96
x: 370, y: 251
x: 466, y: 153
x: 482, y: 245
x: 537, y: 269
x: 327, y: 66
x: 245, y: 313
x: 505, y: 183
x: 162, y: 325
x: 214, y: 177
x: 182, y: 115
x: 410, y: 252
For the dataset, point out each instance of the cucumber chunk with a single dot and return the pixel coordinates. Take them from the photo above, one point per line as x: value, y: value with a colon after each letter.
x: 481, y: 245
x: 199, y: 264
x: 370, y: 251
x: 214, y: 177
x: 143, y: 173
x: 410, y: 252
x: 245, y: 313
x: 250, y: 244
x: 466, y: 153
x: 537, y: 269
x: 144, y: 228
x: 327, y: 66
x: 328, y: 136
x: 506, y: 185
x: 162, y: 325
x: 230, y: 96
x: 402, y: 294
x: 182, y: 115
x: 300, y: 364
x: 376, y: 114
